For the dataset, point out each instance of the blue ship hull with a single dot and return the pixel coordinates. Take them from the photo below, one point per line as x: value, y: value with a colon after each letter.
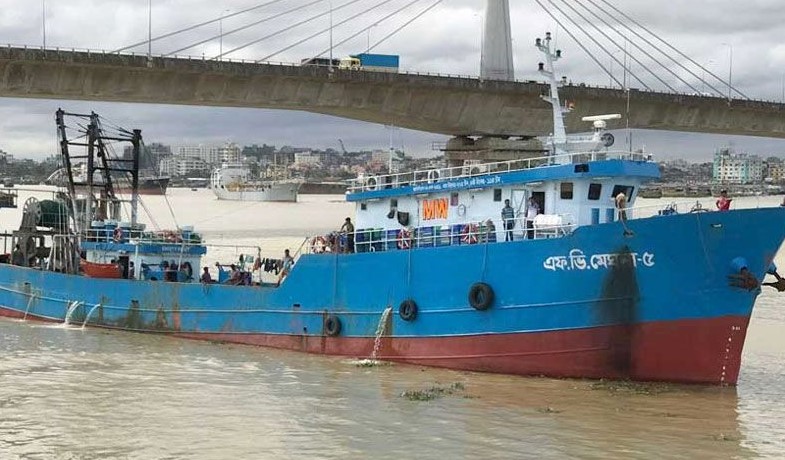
x: 657, y: 305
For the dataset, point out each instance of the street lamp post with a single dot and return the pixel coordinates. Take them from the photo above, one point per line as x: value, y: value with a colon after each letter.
x: 221, y: 35
x: 43, y: 19
x: 392, y: 150
x: 149, y: 29
x: 703, y: 76
x: 730, y: 71
x: 611, y: 66
x: 368, y: 49
x: 331, y: 34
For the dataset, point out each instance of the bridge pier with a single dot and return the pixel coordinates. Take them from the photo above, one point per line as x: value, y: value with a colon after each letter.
x: 490, y: 149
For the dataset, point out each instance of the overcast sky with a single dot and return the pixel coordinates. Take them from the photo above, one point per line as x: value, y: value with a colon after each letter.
x: 445, y: 40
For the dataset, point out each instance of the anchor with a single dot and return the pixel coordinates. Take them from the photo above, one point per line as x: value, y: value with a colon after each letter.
x: 744, y: 279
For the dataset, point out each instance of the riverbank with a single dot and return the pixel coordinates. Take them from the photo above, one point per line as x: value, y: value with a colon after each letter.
x: 707, y: 190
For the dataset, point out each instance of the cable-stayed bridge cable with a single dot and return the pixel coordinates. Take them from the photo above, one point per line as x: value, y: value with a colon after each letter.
x: 404, y: 25
x: 591, y: 55
x: 248, y: 26
x: 671, y: 58
x: 580, y: 43
x: 196, y: 26
x: 643, y: 50
x: 312, y: 36
x: 363, y: 30
x: 312, y: 18
x: 638, y: 24
x: 608, y: 52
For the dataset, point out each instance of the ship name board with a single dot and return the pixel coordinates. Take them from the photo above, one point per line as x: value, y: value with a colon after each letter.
x: 467, y: 182
x: 435, y: 209
x: 577, y: 260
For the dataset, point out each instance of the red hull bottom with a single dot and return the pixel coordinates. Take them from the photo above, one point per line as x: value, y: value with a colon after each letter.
x: 684, y: 351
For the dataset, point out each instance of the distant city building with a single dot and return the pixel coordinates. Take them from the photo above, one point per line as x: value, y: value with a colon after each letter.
x: 211, y: 155
x: 230, y: 153
x: 182, y: 166
x: 151, y: 156
x: 379, y: 161
x: 306, y: 160
x: 6, y: 158
x: 732, y: 168
x: 680, y: 164
x: 775, y: 169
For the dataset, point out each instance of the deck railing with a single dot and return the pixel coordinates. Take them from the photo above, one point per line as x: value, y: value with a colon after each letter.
x: 491, y: 230
x: 485, y: 231
x: 430, y: 176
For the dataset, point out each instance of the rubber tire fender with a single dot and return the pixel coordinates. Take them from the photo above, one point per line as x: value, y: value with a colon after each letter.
x: 408, y: 310
x: 481, y: 296
x: 332, y: 325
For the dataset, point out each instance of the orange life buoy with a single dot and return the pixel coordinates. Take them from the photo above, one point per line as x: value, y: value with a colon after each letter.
x: 404, y: 239
x: 117, y: 236
x: 469, y: 233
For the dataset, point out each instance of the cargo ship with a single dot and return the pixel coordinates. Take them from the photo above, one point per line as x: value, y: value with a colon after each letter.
x: 539, y: 266
x: 150, y: 182
x: 233, y: 181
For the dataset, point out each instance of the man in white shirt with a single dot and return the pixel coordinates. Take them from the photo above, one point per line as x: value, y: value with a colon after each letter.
x: 532, y: 210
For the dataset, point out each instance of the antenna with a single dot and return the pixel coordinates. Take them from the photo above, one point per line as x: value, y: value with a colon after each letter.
x: 546, y: 69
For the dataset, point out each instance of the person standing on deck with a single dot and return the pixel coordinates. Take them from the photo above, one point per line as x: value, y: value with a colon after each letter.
x: 532, y: 210
x: 348, y: 229
x: 723, y: 203
x: 288, y: 262
x: 17, y: 258
x: 206, y: 278
x: 508, y: 217
x: 621, y: 205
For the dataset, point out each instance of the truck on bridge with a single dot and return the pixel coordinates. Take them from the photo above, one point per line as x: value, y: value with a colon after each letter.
x: 320, y: 62
x: 371, y: 62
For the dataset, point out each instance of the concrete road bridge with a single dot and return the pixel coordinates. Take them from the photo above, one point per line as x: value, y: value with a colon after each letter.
x: 451, y: 105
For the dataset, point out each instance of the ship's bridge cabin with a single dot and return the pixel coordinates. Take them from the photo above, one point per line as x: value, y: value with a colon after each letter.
x: 549, y: 197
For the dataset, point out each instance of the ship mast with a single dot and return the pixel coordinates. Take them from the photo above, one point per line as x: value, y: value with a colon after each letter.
x: 97, y: 159
x: 559, y: 136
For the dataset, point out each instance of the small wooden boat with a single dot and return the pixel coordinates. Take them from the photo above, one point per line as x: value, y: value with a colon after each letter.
x: 96, y: 270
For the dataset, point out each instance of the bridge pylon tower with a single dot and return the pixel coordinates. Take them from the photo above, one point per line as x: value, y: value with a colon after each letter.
x: 496, y: 59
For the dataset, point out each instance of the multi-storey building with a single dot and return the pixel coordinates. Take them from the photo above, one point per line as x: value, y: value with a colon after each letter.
x: 732, y: 168
x: 181, y: 166
x: 211, y: 155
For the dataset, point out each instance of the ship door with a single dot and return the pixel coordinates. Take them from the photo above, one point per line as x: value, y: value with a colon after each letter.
x: 124, y: 264
x: 539, y: 198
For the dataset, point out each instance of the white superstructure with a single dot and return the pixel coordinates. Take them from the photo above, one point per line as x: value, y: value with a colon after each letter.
x: 233, y: 181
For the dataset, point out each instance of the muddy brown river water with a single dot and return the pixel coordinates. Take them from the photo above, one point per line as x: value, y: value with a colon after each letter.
x: 68, y: 393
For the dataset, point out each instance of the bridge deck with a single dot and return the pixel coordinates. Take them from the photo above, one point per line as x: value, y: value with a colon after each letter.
x: 441, y: 104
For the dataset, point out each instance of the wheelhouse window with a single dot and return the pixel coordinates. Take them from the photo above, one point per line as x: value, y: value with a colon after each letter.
x: 363, y: 206
x: 626, y: 189
x: 595, y: 190
x: 497, y: 194
x: 566, y: 190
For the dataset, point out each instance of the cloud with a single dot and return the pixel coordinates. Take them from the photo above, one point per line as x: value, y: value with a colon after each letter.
x: 446, y: 40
